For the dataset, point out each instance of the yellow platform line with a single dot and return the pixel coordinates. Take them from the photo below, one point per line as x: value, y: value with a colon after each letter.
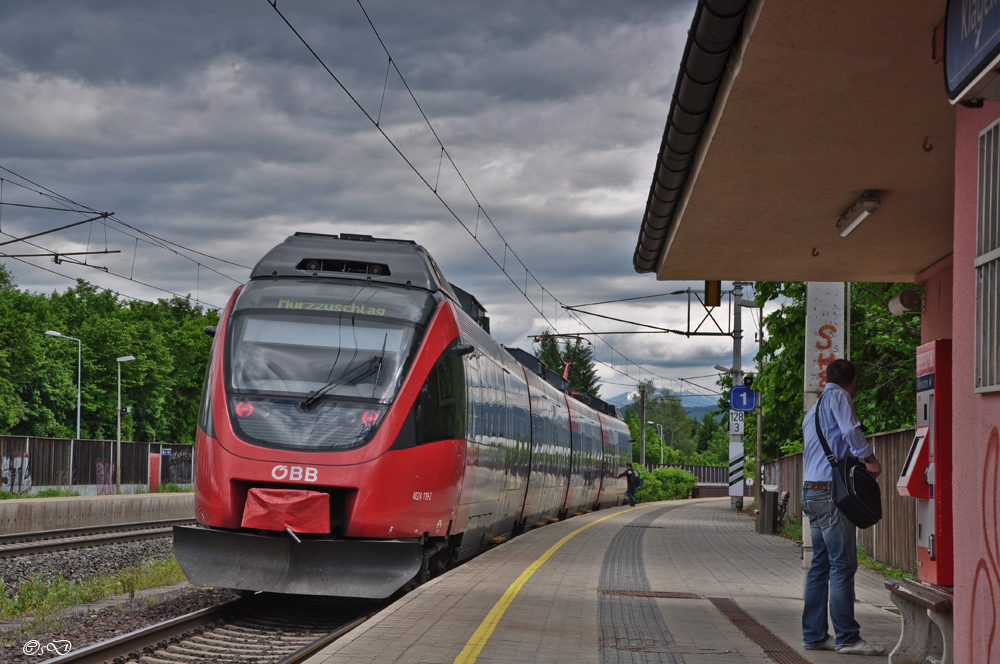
x: 478, y: 641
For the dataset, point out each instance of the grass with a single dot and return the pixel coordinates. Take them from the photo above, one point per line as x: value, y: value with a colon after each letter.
x: 168, y: 487
x: 44, y: 493
x: 792, y: 528
x: 40, y: 599
x: 882, y: 568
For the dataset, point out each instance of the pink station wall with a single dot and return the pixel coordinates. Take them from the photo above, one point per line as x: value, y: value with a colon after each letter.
x: 976, y: 425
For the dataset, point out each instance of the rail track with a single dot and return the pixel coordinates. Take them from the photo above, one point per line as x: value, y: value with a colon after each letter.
x: 262, y: 629
x: 47, y: 541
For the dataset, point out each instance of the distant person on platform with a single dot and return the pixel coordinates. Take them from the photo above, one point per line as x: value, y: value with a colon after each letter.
x: 632, y: 478
x: 834, y: 538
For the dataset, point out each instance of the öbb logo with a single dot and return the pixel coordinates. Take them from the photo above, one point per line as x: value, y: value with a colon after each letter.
x: 295, y: 473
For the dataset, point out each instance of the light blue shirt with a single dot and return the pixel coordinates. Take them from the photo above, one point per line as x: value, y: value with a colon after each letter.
x: 841, y: 428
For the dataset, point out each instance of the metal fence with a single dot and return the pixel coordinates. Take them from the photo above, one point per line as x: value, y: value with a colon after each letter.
x: 27, y: 463
x: 892, y: 540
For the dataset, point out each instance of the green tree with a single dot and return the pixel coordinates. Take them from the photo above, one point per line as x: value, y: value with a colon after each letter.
x: 712, y: 441
x: 181, y: 327
x: 663, y: 408
x: 883, y: 348
x: 38, y: 374
x: 678, y: 427
x: 29, y: 383
x: 578, y: 354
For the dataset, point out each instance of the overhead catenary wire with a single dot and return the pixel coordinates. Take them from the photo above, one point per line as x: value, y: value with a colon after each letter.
x: 480, y: 210
x: 153, y: 240
x: 69, y: 205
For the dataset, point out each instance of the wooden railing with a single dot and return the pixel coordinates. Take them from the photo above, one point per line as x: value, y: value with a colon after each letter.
x: 891, y: 541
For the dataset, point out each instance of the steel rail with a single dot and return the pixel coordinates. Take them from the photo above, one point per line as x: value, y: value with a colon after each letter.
x: 150, y: 636
x: 317, y: 645
x: 46, y: 541
x: 176, y: 631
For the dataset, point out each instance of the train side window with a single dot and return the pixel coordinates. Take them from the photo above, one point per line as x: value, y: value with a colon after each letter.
x: 205, y: 418
x: 439, y: 409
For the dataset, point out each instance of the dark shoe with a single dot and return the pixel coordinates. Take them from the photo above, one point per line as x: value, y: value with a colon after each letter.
x: 862, y: 647
x: 826, y: 644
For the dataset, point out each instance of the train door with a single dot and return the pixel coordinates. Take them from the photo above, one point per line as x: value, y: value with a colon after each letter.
x: 517, y: 443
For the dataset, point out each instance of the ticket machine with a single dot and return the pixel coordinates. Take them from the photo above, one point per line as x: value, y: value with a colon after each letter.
x: 926, y: 475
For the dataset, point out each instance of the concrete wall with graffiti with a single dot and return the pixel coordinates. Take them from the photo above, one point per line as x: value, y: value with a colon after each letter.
x: 89, y: 467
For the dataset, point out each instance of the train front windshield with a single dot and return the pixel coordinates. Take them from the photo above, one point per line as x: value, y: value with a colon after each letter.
x: 315, y: 364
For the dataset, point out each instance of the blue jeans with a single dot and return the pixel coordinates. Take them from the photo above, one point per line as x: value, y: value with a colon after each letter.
x: 630, y: 496
x: 831, y: 576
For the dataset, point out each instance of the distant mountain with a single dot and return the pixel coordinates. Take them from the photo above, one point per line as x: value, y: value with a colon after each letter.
x: 695, y: 405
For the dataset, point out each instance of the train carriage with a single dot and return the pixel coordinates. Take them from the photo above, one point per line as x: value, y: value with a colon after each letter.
x: 360, y: 430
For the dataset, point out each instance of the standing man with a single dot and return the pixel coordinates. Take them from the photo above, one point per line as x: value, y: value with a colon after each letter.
x: 632, y: 479
x: 835, y: 550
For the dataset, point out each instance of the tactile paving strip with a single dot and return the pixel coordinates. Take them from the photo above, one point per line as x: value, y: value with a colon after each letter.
x: 632, y: 627
x: 652, y: 593
x: 776, y: 649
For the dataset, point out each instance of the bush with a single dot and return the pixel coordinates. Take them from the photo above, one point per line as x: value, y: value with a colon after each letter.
x: 665, y: 484
x: 55, y: 493
x: 170, y: 487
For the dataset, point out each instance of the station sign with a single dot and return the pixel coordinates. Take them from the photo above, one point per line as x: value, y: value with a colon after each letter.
x: 736, y: 422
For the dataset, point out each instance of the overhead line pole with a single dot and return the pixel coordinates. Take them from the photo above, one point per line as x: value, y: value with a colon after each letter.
x: 104, y: 215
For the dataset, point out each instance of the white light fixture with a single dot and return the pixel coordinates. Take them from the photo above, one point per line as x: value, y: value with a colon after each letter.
x: 118, y: 461
x: 659, y: 427
x: 867, y: 203
x: 906, y: 301
x: 79, y: 372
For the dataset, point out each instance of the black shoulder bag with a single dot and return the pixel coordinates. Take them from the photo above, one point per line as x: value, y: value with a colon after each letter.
x: 855, y: 492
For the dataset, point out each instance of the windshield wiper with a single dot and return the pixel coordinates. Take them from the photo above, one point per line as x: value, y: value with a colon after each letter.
x: 373, y: 365
x: 380, y: 360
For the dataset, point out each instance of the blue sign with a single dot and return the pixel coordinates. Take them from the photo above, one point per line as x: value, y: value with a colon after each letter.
x: 742, y: 399
x: 971, y: 42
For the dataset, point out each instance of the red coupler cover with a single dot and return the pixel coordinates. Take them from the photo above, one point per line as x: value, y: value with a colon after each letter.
x: 276, y: 509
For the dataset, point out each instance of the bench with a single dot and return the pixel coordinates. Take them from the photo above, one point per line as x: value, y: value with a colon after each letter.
x: 927, y: 623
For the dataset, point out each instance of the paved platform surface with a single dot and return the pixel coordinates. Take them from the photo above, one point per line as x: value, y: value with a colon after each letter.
x: 682, y: 581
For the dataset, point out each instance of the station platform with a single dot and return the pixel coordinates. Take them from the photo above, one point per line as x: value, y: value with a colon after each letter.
x: 682, y: 581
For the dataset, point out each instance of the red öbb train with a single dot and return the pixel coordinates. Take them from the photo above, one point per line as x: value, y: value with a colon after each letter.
x: 361, y: 431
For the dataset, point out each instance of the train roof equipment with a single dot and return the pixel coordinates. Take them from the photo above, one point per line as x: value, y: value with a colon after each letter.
x: 473, y: 307
x: 353, y: 256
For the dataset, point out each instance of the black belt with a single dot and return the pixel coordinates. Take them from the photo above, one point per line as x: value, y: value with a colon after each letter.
x: 819, y: 486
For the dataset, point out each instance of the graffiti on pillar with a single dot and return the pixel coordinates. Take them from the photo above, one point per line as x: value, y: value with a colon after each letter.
x: 105, y: 476
x: 826, y: 334
x: 14, y: 474
x: 825, y: 338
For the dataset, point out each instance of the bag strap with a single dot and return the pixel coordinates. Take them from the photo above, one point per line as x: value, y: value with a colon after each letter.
x: 822, y: 439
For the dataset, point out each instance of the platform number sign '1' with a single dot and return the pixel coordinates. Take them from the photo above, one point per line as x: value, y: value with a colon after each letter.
x: 742, y: 399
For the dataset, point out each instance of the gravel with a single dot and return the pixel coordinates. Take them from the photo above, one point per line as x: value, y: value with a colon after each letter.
x: 79, y: 564
x: 86, y: 625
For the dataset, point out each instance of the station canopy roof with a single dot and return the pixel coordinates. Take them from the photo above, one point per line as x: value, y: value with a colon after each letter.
x: 815, y: 105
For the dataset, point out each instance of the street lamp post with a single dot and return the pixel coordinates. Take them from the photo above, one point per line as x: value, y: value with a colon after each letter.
x: 118, y: 460
x: 659, y: 428
x: 79, y: 363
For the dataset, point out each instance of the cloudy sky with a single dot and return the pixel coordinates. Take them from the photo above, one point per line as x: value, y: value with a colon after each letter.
x: 212, y: 132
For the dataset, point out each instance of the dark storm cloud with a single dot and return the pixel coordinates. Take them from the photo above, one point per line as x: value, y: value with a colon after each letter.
x: 210, y: 125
